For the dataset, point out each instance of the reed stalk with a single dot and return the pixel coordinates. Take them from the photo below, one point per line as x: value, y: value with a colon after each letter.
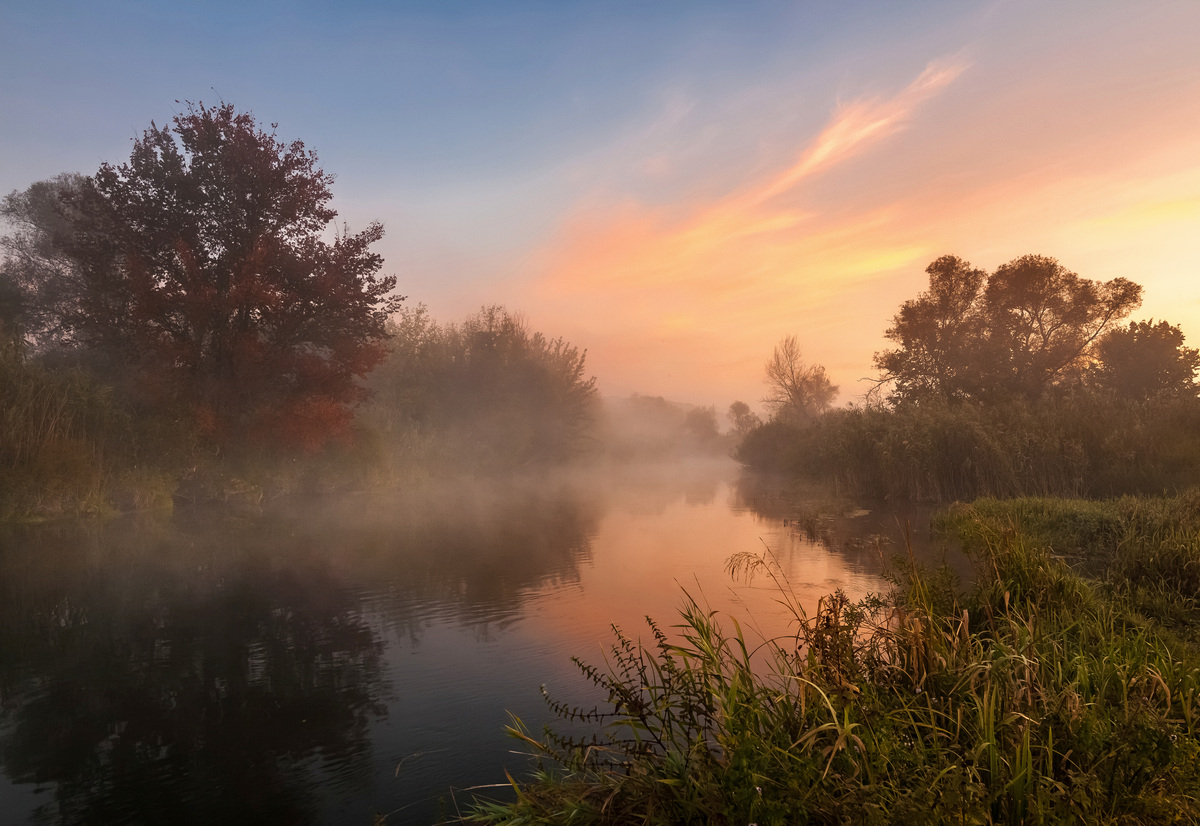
x: 1036, y: 695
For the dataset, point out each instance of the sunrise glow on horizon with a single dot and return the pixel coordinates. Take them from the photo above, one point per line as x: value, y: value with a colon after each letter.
x: 675, y: 189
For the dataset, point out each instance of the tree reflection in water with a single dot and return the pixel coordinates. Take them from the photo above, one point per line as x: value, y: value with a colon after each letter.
x: 198, y: 687
x: 203, y: 667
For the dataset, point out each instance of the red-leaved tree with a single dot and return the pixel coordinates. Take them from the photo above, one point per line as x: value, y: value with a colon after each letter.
x: 209, y: 263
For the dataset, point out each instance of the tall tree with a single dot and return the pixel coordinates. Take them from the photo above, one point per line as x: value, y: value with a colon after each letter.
x: 1146, y: 359
x: 742, y: 418
x: 940, y: 334
x: 1042, y: 320
x: 41, y: 278
x: 798, y: 392
x: 201, y: 264
x: 1029, y: 327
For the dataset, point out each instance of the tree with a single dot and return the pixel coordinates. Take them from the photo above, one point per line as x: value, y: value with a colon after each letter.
x: 40, y: 278
x: 1029, y: 327
x: 798, y: 392
x: 700, y: 423
x: 200, y: 263
x: 11, y: 335
x: 491, y: 392
x: 1146, y: 359
x: 1043, y: 319
x: 940, y: 334
x: 742, y: 418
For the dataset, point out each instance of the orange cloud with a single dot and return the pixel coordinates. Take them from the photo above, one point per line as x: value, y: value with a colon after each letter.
x: 743, y: 270
x: 639, y: 247
x: 861, y: 123
x: 688, y: 298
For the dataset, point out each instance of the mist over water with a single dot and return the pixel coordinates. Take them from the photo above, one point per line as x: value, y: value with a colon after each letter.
x: 323, y: 660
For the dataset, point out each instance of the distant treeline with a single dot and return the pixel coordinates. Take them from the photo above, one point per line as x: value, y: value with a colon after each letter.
x: 193, y: 324
x: 483, y: 394
x: 1019, y: 383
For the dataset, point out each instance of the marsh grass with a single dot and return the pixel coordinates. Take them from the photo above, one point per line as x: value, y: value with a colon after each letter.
x: 1073, y: 445
x: 59, y: 430
x: 1036, y: 696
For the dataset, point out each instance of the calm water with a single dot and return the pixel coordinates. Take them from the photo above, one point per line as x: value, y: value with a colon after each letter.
x: 323, y: 661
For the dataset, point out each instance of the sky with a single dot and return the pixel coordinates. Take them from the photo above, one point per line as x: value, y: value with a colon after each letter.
x: 673, y: 186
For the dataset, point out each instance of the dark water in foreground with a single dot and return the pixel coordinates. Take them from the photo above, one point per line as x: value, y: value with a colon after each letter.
x: 321, y: 662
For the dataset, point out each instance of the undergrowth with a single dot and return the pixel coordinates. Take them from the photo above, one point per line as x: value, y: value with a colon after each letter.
x: 1035, y: 696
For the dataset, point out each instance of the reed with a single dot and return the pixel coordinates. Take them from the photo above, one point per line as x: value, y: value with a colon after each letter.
x: 57, y: 426
x: 1075, y: 445
x: 70, y: 446
x: 1034, y: 696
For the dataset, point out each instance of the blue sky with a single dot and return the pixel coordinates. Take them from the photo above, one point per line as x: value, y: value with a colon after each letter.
x: 674, y: 186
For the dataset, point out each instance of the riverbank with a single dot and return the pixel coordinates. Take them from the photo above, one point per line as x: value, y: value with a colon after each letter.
x: 1063, y: 685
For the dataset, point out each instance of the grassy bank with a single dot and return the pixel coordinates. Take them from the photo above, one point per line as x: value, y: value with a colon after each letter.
x: 1037, y: 695
x: 71, y: 445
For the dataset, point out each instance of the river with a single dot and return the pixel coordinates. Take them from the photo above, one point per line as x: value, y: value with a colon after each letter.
x: 323, y: 661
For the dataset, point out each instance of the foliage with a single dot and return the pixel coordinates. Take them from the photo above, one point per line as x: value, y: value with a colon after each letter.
x: 1146, y: 359
x: 702, y: 428
x: 939, y: 334
x: 742, y: 418
x: 1036, y: 697
x: 200, y: 264
x: 1145, y: 552
x: 641, y: 428
x: 43, y: 282
x: 773, y: 447
x: 1029, y: 327
x: 71, y: 447
x: 12, y: 335
x: 486, y: 393
x: 1078, y: 444
x: 798, y: 392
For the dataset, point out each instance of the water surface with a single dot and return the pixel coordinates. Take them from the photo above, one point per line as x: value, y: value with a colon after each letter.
x: 325, y: 660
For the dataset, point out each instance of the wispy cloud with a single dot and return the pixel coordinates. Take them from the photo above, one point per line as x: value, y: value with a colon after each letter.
x: 746, y: 234
x: 663, y: 278
x: 860, y: 124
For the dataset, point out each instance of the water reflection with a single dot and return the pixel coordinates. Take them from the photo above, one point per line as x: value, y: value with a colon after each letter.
x: 152, y: 687
x: 333, y: 658
x: 209, y: 668
x: 870, y: 534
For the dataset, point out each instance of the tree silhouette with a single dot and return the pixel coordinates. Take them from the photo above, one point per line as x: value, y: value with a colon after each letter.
x: 1146, y: 359
x: 940, y: 335
x: 494, y: 394
x: 40, y: 278
x: 1029, y: 327
x: 200, y: 264
x: 742, y: 418
x: 798, y: 392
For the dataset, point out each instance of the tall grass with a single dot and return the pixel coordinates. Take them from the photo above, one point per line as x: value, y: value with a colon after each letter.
x: 69, y: 446
x: 1037, y: 696
x: 55, y: 426
x: 1078, y: 445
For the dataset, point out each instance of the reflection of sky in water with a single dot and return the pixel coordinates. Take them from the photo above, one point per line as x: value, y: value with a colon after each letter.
x: 457, y: 605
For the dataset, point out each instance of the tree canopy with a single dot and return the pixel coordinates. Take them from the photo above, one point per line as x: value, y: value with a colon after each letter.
x: 493, y: 393
x: 742, y: 418
x: 1030, y: 326
x: 201, y: 264
x: 797, y: 392
x: 1146, y: 359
